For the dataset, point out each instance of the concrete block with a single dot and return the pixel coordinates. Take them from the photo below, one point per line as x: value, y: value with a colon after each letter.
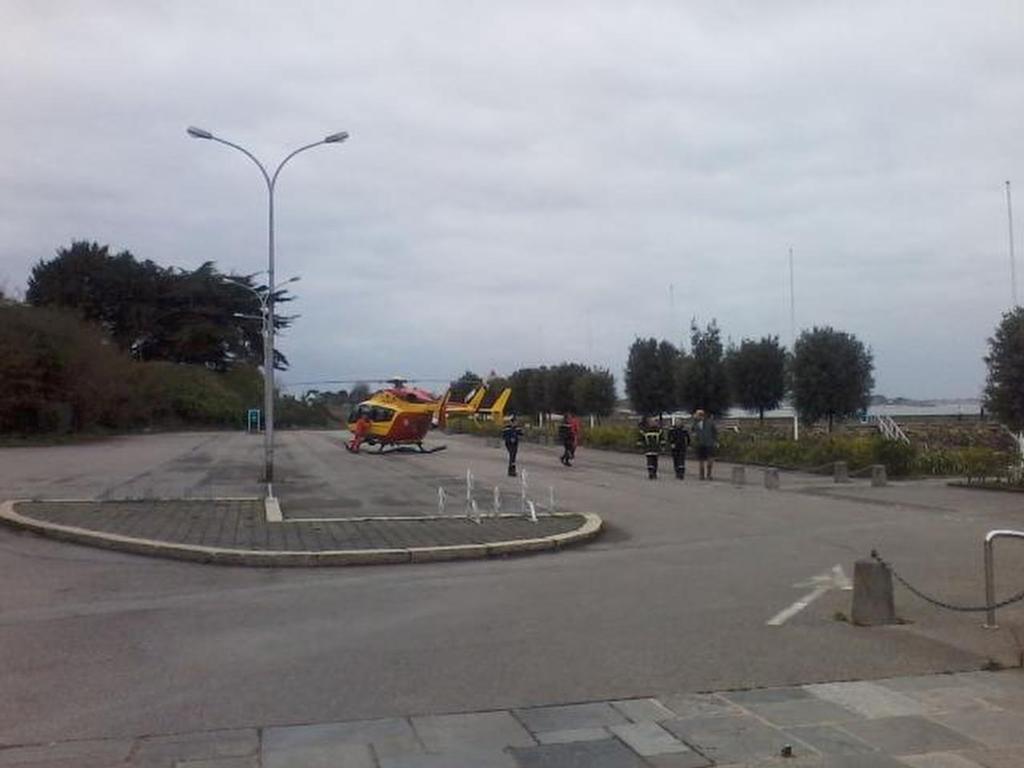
x: 739, y: 475
x: 840, y: 472
x: 873, y: 602
x: 771, y: 479
x: 878, y: 475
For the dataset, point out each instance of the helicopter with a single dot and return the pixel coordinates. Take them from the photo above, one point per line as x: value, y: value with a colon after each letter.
x: 400, y: 416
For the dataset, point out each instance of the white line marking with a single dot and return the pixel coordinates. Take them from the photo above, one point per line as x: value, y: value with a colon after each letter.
x: 783, y: 616
x: 833, y: 578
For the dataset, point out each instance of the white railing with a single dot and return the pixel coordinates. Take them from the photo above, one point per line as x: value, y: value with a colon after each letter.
x: 890, y: 429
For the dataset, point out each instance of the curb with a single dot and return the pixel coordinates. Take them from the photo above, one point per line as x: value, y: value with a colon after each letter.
x: 590, y: 528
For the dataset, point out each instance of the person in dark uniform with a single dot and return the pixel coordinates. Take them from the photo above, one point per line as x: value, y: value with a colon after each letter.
x: 678, y: 440
x: 565, y: 437
x: 511, y: 434
x: 650, y: 441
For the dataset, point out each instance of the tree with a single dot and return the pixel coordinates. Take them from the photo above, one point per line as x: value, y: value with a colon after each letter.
x: 462, y: 386
x: 831, y: 374
x: 559, y: 386
x: 705, y: 384
x: 650, y: 376
x: 757, y: 374
x: 594, y: 392
x: 1004, y: 385
x: 157, y: 313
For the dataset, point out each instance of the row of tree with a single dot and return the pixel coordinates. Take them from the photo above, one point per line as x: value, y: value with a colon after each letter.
x: 152, y: 312
x: 828, y: 374
x: 547, y: 389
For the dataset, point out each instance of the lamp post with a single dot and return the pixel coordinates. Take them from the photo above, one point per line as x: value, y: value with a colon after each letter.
x: 268, y: 335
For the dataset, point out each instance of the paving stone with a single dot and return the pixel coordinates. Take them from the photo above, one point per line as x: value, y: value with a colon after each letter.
x: 991, y: 728
x: 830, y: 740
x: 571, y: 716
x: 643, y: 710
x: 477, y: 731
x: 197, y: 746
x: 689, y: 759
x: 480, y: 759
x: 699, y: 705
x: 573, y: 734
x: 392, y: 736
x: 733, y: 738
x: 609, y: 753
x: 766, y: 695
x: 803, y: 712
x: 221, y: 762
x: 98, y: 753
x: 920, y: 683
x: 908, y: 735
x: 342, y: 755
x: 997, y: 758
x: 940, y: 700
x: 868, y: 699
x: 939, y: 760
x: 647, y: 739
x: 993, y: 683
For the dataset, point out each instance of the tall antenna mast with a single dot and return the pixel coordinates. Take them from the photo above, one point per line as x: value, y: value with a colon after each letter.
x: 1013, y: 263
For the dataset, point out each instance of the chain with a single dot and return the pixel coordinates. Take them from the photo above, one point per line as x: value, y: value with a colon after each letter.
x: 948, y: 606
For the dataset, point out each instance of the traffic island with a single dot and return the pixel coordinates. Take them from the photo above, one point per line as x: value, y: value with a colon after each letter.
x: 237, y: 532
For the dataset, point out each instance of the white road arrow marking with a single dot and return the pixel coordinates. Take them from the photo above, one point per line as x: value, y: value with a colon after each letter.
x: 822, y: 583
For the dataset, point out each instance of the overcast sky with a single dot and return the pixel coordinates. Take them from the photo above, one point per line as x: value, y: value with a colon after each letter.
x: 525, y: 181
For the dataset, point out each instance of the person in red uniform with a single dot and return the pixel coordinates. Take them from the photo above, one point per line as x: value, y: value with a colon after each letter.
x: 574, y: 432
x: 359, y: 432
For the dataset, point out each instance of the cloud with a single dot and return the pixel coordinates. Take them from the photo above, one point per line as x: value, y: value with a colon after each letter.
x: 524, y: 181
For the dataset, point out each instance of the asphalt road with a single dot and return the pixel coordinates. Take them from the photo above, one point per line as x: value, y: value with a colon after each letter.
x: 674, y: 597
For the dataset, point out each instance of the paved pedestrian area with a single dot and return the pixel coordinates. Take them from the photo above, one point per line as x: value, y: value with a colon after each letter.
x: 239, y: 530
x: 965, y: 720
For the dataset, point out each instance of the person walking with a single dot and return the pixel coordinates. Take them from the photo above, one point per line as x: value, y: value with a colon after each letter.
x: 565, y: 437
x: 650, y: 441
x: 678, y: 440
x: 705, y: 438
x: 511, y: 434
x: 574, y: 435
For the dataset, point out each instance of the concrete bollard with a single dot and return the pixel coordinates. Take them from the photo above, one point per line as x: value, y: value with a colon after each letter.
x: 739, y: 475
x: 771, y: 479
x: 840, y: 472
x: 873, y: 602
x: 878, y: 476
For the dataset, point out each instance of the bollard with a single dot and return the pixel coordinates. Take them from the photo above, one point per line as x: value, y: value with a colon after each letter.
x: 840, y: 472
x: 878, y: 476
x: 739, y: 475
x: 771, y: 479
x: 873, y: 603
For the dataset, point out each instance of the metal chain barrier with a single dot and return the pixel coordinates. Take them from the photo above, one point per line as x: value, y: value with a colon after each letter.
x: 941, y: 604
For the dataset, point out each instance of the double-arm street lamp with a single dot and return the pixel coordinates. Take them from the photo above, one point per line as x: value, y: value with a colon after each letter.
x: 268, y: 305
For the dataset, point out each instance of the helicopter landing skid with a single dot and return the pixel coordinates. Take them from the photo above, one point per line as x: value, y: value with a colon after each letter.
x: 418, y: 448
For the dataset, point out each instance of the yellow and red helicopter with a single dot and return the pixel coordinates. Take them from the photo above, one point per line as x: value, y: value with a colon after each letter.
x: 400, y: 416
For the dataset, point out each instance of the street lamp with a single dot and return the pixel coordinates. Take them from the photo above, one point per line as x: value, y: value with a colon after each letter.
x: 268, y: 336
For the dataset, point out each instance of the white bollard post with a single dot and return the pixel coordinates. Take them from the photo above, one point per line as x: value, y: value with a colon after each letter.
x: 533, y: 511
x: 442, y: 498
x: 497, y: 501
x: 523, y: 489
x: 551, y: 499
x: 474, y: 511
